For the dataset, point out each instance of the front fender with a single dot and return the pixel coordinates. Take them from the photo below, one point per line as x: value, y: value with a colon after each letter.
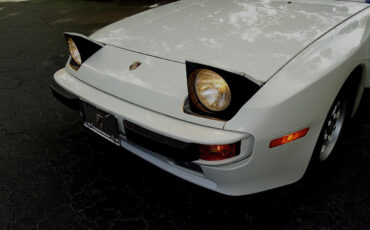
x: 302, y: 92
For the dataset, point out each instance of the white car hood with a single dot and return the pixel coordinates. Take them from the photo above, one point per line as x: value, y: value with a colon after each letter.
x: 253, y: 37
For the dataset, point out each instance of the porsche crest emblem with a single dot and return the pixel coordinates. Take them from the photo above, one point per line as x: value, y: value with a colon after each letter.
x: 135, y: 65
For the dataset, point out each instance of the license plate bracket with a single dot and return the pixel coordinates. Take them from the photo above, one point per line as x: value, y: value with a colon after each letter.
x: 100, y: 122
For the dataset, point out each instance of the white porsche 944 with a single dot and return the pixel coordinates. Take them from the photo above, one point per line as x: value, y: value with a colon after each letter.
x: 236, y: 96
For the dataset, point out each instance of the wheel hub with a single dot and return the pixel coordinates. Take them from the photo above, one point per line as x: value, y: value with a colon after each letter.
x: 332, y: 129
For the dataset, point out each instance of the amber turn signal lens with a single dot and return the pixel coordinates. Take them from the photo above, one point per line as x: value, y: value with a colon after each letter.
x: 217, y: 152
x: 289, y: 138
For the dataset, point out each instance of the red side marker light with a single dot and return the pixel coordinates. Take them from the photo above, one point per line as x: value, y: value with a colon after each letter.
x: 218, y: 152
x: 289, y: 138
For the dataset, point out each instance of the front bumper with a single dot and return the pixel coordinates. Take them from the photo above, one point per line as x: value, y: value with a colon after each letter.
x: 246, y: 174
x: 63, y: 96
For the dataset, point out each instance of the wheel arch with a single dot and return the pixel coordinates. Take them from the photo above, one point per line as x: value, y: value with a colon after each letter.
x: 356, y: 83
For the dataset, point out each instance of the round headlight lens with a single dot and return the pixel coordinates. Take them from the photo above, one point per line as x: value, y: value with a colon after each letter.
x: 212, y: 90
x: 74, y: 51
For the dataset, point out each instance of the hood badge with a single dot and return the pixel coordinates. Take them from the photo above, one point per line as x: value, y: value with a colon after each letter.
x: 135, y: 65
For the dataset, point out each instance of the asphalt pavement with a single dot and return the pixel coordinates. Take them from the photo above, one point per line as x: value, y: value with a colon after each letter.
x: 56, y: 175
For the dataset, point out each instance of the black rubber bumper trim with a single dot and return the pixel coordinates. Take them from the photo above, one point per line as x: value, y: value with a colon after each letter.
x: 68, y: 99
x: 165, y: 146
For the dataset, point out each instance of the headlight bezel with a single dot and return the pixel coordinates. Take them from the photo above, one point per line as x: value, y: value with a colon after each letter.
x: 241, y: 88
x: 85, y: 46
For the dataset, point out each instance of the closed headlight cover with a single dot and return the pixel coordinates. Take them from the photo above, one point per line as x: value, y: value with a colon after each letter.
x: 215, y: 93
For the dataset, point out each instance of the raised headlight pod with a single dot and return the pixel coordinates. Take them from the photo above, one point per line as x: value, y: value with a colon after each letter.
x: 215, y: 93
x: 212, y: 91
x: 81, y: 48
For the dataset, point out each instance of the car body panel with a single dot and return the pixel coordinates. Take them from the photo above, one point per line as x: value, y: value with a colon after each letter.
x: 159, y: 123
x: 298, y: 96
x: 307, y: 88
x: 148, y: 86
x: 309, y: 83
x: 166, y: 91
x: 253, y: 37
x: 251, y: 174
